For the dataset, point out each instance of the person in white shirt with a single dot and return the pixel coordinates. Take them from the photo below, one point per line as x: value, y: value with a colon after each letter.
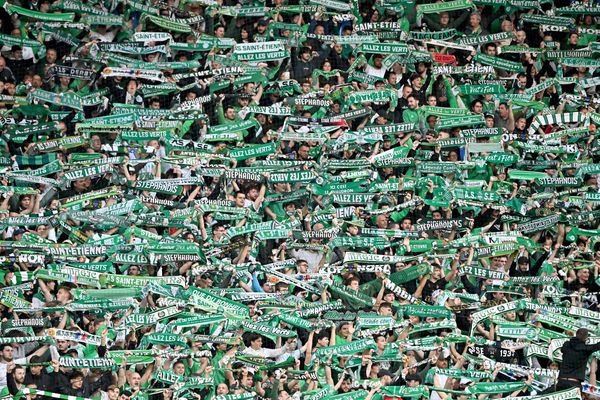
x: 292, y: 348
x: 256, y: 349
x: 377, y: 69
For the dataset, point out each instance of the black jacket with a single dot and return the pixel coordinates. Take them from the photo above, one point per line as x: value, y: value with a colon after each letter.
x: 88, y: 387
x: 43, y: 381
x: 575, y: 355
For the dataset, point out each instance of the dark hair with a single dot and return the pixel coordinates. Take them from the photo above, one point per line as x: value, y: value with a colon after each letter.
x: 582, y: 334
x: 252, y: 337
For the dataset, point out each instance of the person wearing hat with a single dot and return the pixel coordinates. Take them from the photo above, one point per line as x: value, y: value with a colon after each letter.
x: 261, y: 29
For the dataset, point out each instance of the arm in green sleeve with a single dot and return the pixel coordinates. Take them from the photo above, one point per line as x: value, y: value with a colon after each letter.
x: 429, y: 89
x: 274, y: 394
x: 451, y: 97
x: 220, y: 114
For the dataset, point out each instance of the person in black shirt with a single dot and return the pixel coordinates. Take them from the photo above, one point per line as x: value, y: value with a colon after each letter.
x: 435, y: 281
x: 575, y: 355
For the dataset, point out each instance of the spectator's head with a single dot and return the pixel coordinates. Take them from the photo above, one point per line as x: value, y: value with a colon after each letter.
x: 385, y: 309
x: 413, y: 102
x: 582, y: 334
x: 378, y: 60
x: 17, y: 52
x: 76, y: 380
x: 219, y: 31
x: 475, y: 20
x: 113, y: 392
x: 19, y: 374
x: 386, y: 377
x: 6, y: 352
x: 254, y: 341
x: 51, y: 56
x: 179, y: 367
x: 503, y: 110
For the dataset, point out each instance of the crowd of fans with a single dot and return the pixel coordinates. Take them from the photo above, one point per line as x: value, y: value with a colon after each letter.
x: 324, y: 199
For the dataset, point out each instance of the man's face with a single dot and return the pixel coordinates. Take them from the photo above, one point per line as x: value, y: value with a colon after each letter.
x: 63, y: 295
x: 239, y: 199
x: 417, y: 83
x: 382, y: 221
x: 219, y: 231
x: 51, y: 56
x: 583, y: 274
x: 385, y: 311
x: 131, y: 87
x: 503, y: 110
x: 406, y: 225
x: 62, y: 345
x: 134, y: 380
x: 77, y: 383
x: 7, y: 353
x: 80, y: 184
x: 302, y: 267
x: 520, y: 36
x: 36, y: 369
x: 377, y: 62
x: 243, y: 102
x: 253, y: 194
x: 230, y: 113
x: 432, y: 101
x: 36, y: 81
x: 474, y: 20
x: 19, y: 375
x: 491, y: 51
x: 406, y: 91
x: 507, y: 26
x: 303, y: 152
x: 222, y: 389
x: 502, y: 261
x: 573, y: 38
x: 113, y: 394
x: 179, y: 369
x: 412, y: 103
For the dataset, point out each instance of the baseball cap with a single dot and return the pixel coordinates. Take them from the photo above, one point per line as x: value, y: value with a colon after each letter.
x: 18, y: 231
